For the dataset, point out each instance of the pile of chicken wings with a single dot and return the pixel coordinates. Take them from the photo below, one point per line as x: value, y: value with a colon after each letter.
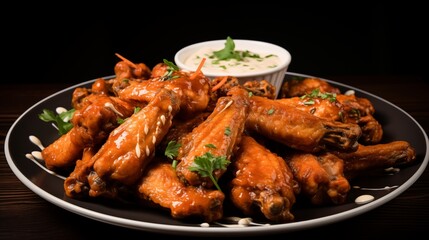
x: 187, y: 144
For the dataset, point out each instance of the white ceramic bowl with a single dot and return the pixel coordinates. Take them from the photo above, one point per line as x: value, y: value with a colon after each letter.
x: 185, y: 59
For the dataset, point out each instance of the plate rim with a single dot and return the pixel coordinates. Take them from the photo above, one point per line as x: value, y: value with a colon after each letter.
x: 219, y: 231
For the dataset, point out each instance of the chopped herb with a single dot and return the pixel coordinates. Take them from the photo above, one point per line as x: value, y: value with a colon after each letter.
x: 171, y: 67
x: 206, y: 164
x: 271, y: 111
x: 309, y: 102
x: 172, y: 149
x: 332, y: 97
x: 227, y: 131
x: 61, y: 121
x: 120, y: 120
x: 174, y: 164
x: 210, y: 145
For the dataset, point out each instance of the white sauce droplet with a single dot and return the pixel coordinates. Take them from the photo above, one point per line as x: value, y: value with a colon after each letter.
x: 37, y: 155
x: 60, y: 110
x: 205, y: 225
x: 349, y: 92
x: 29, y: 156
x: 244, y: 221
x: 36, y: 141
x: 363, y: 199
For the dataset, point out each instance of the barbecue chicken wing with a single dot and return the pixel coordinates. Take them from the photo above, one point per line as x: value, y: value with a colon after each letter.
x: 341, y: 108
x: 218, y: 135
x: 320, y: 177
x: 130, y: 147
x: 377, y: 156
x: 161, y: 187
x: 262, y: 182
x: 192, y: 90
x: 298, y: 129
x: 323, y: 177
x: 92, y: 123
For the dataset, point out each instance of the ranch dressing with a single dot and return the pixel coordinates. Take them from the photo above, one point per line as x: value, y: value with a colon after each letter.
x: 251, y: 62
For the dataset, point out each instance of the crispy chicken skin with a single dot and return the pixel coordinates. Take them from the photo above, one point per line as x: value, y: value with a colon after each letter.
x: 261, y: 88
x: 320, y: 177
x: 341, y: 108
x: 161, y: 187
x: 193, y: 91
x: 298, y: 129
x: 63, y: 152
x: 377, y: 156
x: 76, y: 184
x: 262, y: 182
x: 299, y: 87
x: 222, y: 129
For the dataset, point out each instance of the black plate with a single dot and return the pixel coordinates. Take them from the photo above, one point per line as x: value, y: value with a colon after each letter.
x: 397, y: 125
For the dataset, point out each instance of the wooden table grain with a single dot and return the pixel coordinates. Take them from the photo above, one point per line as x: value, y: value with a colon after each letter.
x: 25, y: 215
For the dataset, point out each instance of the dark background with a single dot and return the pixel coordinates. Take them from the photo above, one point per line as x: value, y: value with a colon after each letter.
x: 72, y: 44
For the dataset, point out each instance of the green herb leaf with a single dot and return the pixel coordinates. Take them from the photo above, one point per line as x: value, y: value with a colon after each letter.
x: 210, y: 145
x: 174, y: 164
x: 61, y: 121
x: 228, y: 51
x: 206, y: 164
x: 172, y: 149
x: 227, y: 131
x: 171, y: 67
x: 332, y: 97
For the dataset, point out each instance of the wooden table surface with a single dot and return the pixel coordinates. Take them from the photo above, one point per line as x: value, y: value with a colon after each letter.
x: 25, y: 215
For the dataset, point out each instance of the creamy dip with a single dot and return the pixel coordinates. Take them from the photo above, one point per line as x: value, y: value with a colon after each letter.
x: 252, y: 62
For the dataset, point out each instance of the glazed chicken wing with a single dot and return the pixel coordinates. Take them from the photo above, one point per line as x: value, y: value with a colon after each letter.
x: 298, y: 129
x: 320, y: 177
x: 130, y: 147
x: 341, y: 108
x: 91, y: 126
x: 262, y: 180
x: 218, y: 135
x: 377, y: 156
x: 161, y: 187
x: 193, y: 91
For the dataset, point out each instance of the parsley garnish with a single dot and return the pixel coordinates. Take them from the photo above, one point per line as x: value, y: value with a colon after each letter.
x: 61, y: 121
x: 227, y: 131
x: 229, y: 52
x: 172, y: 149
x: 206, y: 164
x: 210, y: 145
x: 332, y: 97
